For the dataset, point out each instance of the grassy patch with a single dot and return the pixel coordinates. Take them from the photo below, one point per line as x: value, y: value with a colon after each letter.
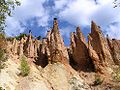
x: 25, y: 68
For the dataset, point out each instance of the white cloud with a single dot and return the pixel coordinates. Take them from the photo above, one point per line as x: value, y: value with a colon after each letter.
x: 78, y: 12
x: 59, y: 4
x: 75, y: 12
x: 13, y: 27
x: 27, y: 10
x: 65, y: 31
x: 81, y: 12
x: 114, y: 31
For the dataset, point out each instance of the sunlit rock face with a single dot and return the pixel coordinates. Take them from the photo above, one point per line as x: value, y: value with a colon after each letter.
x: 96, y: 54
x: 15, y: 47
x: 57, y: 49
x: 20, y: 50
x: 80, y: 49
x: 98, y: 48
x: 53, y: 66
x: 29, y: 47
x: 114, y: 46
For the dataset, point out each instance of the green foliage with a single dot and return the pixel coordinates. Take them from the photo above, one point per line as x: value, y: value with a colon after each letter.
x: 6, y: 7
x: 98, y: 80
x: 1, y: 88
x: 25, y: 68
x: 20, y: 36
x: 116, y: 3
x: 39, y: 37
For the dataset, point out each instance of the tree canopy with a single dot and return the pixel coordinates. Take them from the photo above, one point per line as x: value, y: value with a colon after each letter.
x: 116, y: 3
x: 6, y: 7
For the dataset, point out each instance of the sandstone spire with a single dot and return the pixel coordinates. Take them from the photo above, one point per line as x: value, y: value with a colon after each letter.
x: 21, y: 47
x: 79, y: 49
x: 114, y: 46
x: 58, y: 51
x: 55, y: 26
x: 42, y: 58
x: 100, y: 45
x: 29, y: 47
x: 15, y: 46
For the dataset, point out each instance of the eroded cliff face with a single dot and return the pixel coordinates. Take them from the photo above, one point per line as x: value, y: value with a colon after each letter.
x: 100, y: 45
x: 99, y: 53
x: 79, y: 50
x: 53, y: 65
x: 114, y: 46
x: 58, y: 51
x: 96, y: 54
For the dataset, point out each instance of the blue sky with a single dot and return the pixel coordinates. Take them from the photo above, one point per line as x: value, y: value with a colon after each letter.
x: 37, y: 15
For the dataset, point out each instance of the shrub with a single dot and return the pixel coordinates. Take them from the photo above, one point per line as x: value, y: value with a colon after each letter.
x: 98, y: 80
x: 20, y: 36
x: 39, y: 37
x: 1, y: 88
x: 25, y: 68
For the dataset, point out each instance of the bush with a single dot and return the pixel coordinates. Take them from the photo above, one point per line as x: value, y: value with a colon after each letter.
x: 39, y: 37
x: 1, y: 88
x: 98, y: 80
x: 25, y: 68
x: 20, y: 36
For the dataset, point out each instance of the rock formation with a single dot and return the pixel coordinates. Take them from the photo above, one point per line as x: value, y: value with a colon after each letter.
x: 42, y: 59
x: 80, y: 49
x: 29, y: 47
x: 21, y: 47
x: 100, y: 52
x: 52, y: 64
x: 100, y: 45
x: 58, y: 51
x: 114, y: 46
x: 15, y: 47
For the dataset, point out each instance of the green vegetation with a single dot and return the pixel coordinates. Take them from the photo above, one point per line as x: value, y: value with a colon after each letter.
x: 98, y: 80
x: 20, y: 36
x: 39, y: 38
x: 6, y: 7
x: 1, y: 88
x: 25, y: 68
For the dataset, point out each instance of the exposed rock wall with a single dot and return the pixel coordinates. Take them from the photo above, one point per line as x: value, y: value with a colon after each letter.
x: 114, y: 46
x: 15, y: 47
x: 80, y: 49
x: 58, y: 51
x: 100, y: 52
x: 100, y: 45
